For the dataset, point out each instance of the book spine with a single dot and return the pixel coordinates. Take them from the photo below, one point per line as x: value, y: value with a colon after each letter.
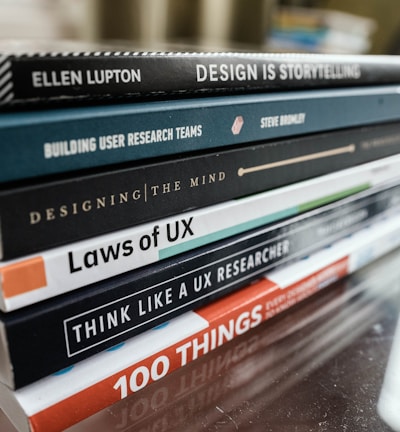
x: 100, y: 316
x: 81, y: 76
x: 35, y: 278
x: 44, y: 215
x: 72, y: 139
x: 229, y: 317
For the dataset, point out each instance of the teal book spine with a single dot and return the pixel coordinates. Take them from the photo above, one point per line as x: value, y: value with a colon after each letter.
x: 46, y: 142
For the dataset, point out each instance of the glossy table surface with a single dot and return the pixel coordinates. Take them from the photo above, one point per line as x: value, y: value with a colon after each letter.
x: 320, y: 366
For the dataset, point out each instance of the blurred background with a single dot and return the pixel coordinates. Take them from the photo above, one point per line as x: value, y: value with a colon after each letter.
x: 338, y: 26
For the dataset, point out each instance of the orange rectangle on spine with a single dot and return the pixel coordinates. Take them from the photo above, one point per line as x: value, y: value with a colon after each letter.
x: 23, y: 277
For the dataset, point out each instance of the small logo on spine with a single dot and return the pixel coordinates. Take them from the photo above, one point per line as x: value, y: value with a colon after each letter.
x: 237, y: 125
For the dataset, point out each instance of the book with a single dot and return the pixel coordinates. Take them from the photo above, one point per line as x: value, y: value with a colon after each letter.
x: 71, y: 327
x: 55, y: 271
x: 59, y: 401
x: 40, y: 215
x: 45, y: 142
x: 51, y: 76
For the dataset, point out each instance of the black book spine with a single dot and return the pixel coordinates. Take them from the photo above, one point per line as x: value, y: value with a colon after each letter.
x: 88, y: 76
x: 49, y: 214
x: 54, y: 334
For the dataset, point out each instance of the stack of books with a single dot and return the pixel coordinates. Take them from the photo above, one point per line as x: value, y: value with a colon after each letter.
x: 154, y: 206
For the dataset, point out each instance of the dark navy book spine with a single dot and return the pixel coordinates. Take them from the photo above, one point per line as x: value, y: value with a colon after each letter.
x: 42, y: 215
x: 61, y: 77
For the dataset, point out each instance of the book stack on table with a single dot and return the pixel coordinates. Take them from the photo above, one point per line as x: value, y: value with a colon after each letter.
x: 154, y: 206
